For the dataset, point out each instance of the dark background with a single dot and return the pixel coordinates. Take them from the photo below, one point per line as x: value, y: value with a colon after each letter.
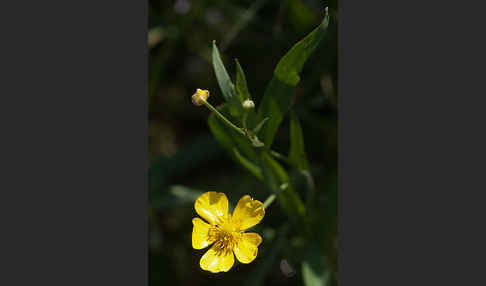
x: 186, y: 160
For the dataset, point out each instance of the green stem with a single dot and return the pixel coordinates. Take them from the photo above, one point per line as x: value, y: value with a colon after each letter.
x: 245, y: 116
x: 269, y: 200
x: 221, y: 116
x: 280, y: 156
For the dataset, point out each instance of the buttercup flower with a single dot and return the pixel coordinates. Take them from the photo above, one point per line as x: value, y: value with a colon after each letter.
x: 226, y: 231
x: 200, y: 96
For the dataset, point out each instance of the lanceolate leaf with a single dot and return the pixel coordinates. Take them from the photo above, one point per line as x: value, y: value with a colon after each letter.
x: 297, y: 154
x: 227, y: 87
x: 260, y: 125
x: 241, y: 85
x: 289, y: 67
x: 278, y: 96
x: 224, y: 81
x: 275, y: 104
x: 254, y: 169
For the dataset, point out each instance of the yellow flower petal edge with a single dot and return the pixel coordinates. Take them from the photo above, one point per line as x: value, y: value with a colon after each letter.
x: 217, y: 260
x: 212, y: 206
x: 246, y: 249
x: 201, y: 237
x: 248, y: 212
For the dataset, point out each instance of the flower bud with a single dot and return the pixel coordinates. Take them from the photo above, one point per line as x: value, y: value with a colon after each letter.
x: 200, y: 96
x: 248, y: 104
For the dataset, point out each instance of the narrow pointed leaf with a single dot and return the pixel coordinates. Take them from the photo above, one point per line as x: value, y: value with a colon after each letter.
x: 227, y: 87
x: 297, y: 155
x: 289, y: 67
x: 241, y: 85
x: 254, y: 169
x: 260, y: 125
x: 278, y: 96
x: 224, y: 81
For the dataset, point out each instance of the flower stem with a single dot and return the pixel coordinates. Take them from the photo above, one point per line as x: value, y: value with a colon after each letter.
x: 225, y: 120
x: 245, y: 116
x: 269, y: 200
x: 280, y: 156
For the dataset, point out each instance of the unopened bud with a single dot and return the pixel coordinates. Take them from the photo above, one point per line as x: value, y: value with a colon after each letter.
x: 200, y: 96
x: 248, y: 104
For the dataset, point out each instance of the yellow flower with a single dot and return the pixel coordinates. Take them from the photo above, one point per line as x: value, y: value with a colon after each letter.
x: 226, y: 231
x: 200, y: 96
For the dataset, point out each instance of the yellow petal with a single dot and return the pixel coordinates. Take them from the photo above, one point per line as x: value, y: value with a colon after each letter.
x: 246, y: 248
x: 212, y: 206
x: 248, y: 212
x: 200, y: 96
x: 200, y: 234
x: 217, y: 260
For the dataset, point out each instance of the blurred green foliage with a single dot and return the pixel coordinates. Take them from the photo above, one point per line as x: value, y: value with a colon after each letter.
x: 186, y: 159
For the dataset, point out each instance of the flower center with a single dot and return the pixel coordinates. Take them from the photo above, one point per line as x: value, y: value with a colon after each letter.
x: 225, y: 240
x: 225, y: 234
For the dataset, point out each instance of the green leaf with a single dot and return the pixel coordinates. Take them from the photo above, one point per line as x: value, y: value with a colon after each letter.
x: 227, y: 87
x: 260, y: 125
x: 224, y: 81
x: 254, y: 169
x: 314, y: 272
x: 297, y: 155
x: 275, y: 104
x: 301, y: 15
x: 231, y: 140
x: 289, y: 67
x: 241, y: 85
x: 278, y: 181
x: 278, y: 96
